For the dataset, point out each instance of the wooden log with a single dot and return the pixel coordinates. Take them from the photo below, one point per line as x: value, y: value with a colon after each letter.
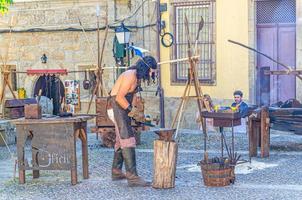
x: 265, y: 132
x: 165, y: 158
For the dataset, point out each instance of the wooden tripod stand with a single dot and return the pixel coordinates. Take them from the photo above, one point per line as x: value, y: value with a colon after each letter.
x: 192, y: 80
x: 6, y: 71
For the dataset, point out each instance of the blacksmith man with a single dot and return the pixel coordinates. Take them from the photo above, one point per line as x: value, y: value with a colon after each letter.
x: 121, y: 97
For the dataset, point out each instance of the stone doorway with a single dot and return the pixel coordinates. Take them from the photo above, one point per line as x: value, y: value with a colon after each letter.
x: 276, y: 37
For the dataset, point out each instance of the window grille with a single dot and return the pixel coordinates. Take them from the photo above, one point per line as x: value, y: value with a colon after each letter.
x: 205, y: 43
x: 276, y: 11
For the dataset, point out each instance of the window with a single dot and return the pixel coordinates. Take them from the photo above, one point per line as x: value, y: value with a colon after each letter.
x: 205, y: 43
x: 276, y: 11
x: 86, y: 74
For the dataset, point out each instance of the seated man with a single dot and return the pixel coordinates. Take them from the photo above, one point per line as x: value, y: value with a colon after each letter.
x: 239, y: 104
x: 243, y: 109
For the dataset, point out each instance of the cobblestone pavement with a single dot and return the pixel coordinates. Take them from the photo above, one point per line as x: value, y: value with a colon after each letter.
x: 277, y: 177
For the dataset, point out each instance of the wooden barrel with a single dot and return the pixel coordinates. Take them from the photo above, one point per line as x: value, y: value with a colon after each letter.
x: 165, y: 158
x: 216, y: 175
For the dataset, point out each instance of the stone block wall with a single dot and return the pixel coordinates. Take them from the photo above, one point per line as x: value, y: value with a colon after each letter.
x: 70, y: 49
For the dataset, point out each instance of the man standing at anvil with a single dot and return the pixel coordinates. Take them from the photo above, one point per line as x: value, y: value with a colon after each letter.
x: 121, y: 97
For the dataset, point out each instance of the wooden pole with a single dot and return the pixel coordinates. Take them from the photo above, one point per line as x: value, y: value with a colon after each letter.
x: 102, y: 54
x: 268, y: 57
x: 100, y: 71
x: 177, y: 60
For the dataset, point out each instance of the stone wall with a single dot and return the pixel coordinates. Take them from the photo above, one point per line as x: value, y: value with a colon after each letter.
x: 69, y: 49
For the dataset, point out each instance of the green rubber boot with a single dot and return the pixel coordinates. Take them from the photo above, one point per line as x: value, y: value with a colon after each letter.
x: 131, y: 174
x: 117, y: 166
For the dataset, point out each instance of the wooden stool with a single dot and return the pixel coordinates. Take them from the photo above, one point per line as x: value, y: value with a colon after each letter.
x: 165, y: 158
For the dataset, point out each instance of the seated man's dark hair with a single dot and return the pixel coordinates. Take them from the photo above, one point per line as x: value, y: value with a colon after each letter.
x: 238, y: 92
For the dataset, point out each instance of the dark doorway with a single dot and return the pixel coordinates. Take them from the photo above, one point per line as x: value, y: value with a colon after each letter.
x: 276, y: 37
x: 53, y: 88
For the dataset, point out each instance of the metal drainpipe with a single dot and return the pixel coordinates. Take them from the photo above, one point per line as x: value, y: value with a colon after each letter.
x: 160, y: 89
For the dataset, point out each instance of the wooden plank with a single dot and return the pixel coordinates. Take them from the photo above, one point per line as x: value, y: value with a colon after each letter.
x: 265, y: 133
x: 54, y: 120
x: 284, y: 111
x: 165, y: 158
x: 283, y: 72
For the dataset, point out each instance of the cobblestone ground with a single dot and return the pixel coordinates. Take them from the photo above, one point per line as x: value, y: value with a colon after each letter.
x: 277, y: 177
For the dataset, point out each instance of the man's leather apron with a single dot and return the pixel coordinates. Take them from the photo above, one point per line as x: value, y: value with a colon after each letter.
x: 124, y: 133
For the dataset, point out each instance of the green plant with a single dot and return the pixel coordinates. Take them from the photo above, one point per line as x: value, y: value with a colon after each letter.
x: 4, y: 5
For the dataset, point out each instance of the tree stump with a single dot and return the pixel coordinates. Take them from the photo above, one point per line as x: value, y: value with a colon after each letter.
x: 165, y: 158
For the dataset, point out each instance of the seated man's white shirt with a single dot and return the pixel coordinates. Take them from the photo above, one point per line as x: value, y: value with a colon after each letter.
x: 242, y: 127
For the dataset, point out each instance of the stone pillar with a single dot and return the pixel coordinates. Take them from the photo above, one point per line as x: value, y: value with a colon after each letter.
x: 252, y: 55
x: 298, y: 46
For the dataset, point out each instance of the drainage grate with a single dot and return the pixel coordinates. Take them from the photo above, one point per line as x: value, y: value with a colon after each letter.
x: 276, y: 11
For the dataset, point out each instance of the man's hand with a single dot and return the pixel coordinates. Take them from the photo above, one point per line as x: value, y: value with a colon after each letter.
x: 136, y: 114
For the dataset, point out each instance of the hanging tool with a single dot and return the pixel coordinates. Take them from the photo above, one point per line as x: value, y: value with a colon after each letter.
x: 86, y: 82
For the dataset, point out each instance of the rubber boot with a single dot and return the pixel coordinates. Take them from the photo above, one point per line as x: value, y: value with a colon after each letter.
x: 131, y: 174
x: 117, y: 166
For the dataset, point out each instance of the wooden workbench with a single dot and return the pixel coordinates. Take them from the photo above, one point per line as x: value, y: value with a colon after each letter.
x: 53, y: 144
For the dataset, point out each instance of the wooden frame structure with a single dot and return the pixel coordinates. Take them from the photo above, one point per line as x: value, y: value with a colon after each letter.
x: 5, y: 69
x: 192, y: 80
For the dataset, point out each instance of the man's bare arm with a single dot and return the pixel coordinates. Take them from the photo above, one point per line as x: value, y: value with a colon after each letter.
x: 124, y: 88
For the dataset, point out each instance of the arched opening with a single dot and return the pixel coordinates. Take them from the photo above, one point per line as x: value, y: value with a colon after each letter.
x: 53, y: 88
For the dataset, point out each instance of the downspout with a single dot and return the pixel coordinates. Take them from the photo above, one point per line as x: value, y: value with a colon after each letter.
x: 160, y: 89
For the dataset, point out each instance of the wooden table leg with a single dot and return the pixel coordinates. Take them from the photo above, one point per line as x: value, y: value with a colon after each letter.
x: 265, y: 136
x: 21, y: 176
x: 21, y: 138
x: 74, y: 176
x: 36, y: 173
x: 221, y: 137
x: 252, y: 137
x: 84, y: 150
